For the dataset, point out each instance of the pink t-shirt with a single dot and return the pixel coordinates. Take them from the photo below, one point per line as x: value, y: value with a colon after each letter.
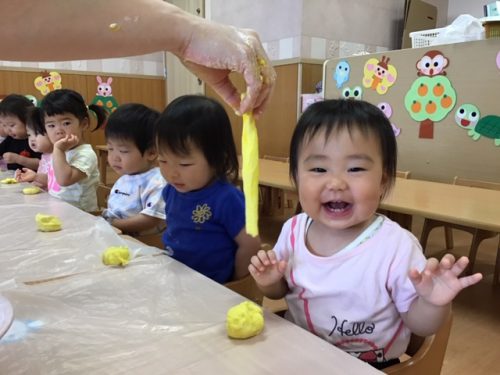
x: 353, y: 299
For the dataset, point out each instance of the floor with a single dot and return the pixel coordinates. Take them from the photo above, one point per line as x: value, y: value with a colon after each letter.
x: 474, y: 344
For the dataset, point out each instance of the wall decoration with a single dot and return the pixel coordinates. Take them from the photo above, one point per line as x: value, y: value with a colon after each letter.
x: 467, y: 116
x: 354, y: 93
x: 47, y: 82
x: 386, y: 109
x: 487, y: 126
x: 431, y: 96
x: 32, y: 99
x: 432, y: 64
x: 379, y: 75
x: 104, y: 95
x: 341, y: 74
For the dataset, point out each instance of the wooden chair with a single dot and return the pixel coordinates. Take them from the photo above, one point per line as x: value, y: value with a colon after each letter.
x: 272, y: 199
x: 404, y: 220
x: 247, y: 288
x: 478, y: 235
x: 426, y: 353
x: 103, y: 192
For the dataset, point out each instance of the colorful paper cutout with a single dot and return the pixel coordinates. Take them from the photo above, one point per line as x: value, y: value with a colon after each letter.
x: 32, y: 99
x: 341, y: 74
x: 386, y: 109
x: 104, y: 95
x: 379, y: 75
x: 47, y: 82
x: 431, y: 96
x: 354, y: 93
x: 467, y: 116
x: 487, y: 126
x: 432, y: 64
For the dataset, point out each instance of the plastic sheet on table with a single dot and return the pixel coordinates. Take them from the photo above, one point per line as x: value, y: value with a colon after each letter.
x: 144, y: 317
x: 29, y: 255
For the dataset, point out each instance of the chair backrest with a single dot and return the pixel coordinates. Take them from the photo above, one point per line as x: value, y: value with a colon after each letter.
x: 103, y: 192
x: 283, y: 159
x: 403, y: 174
x: 426, y: 353
x: 476, y: 183
x: 247, y: 288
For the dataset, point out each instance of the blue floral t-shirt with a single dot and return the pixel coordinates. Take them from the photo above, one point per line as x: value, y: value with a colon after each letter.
x: 201, y: 227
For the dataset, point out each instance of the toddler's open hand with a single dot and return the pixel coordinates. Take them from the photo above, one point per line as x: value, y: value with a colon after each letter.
x: 67, y: 143
x: 439, y: 283
x: 266, y: 269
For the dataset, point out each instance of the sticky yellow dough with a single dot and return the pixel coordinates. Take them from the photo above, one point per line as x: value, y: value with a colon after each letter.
x: 116, y: 256
x: 9, y: 180
x: 47, y: 223
x: 31, y: 190
x: 250, y: 173
x: 244, y: 320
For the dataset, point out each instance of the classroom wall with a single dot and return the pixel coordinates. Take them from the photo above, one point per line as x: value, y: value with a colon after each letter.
x: 472, y: 7
x: 474, y: 73
x: 147, y: 90
x: 316, y: 29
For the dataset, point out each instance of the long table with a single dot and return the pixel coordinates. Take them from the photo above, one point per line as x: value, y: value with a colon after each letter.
x: 73, y: 315
x: 475, y: 207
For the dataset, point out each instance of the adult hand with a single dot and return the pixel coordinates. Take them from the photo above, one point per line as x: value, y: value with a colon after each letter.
x: 215, y: 50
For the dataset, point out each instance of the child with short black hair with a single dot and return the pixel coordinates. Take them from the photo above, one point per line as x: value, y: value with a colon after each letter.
x: 73, y: 174
x: 205, y: 212
x: 351, y: 276
x: 39, y: 142
x: 15, y: 149
x: 135, y: 204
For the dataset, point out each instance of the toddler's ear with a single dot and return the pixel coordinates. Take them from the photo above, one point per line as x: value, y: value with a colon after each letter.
x: 151, y: 154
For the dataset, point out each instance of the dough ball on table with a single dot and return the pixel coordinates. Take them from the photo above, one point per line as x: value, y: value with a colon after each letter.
x: 116, y: 256
x: 244, y: 320
x: 47, y: 223
x: 31, y: 190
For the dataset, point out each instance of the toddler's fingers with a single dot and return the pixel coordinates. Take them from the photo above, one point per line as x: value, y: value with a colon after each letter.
x: 257, y: 263
x: 253, y: 271
x: 470, y: 280
x: 431, y: 265
x: 272, y: 257
x: 460, y: 265
x: 263, y: 256
x: 447, y: 261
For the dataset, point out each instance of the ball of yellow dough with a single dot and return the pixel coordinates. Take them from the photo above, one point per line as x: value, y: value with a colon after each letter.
x: 116, y: 256
x: 47, y: 223
x: 31, y: 190
x: 9, y: 180
x: 244, y: 320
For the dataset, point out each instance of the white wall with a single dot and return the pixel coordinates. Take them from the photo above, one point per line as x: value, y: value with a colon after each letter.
x: 472, y: 7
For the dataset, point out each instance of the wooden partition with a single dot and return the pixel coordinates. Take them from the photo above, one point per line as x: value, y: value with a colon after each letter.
x: 126, y: 89
x: 276, y: 125
x: 469, y: 74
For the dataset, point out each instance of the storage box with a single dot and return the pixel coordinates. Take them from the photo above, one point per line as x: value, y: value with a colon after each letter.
x: 492, y: 9
x: 419, y: 15
x: 491, y: 27
x: 424, y: 38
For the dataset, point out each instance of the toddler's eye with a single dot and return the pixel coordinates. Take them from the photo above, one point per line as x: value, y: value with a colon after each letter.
x: 356, y: 169
x: 318, y: 170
